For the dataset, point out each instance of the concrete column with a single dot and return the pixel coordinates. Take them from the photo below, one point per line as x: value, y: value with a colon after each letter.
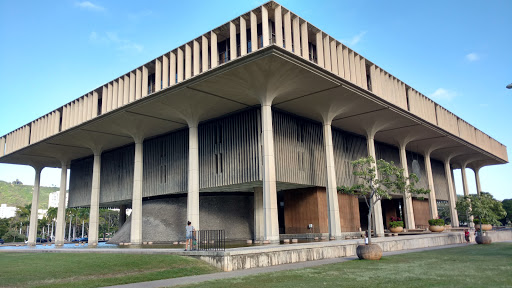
x: 334, y: 57
x: 104, y: 100
x: 158, y: 75
x: 327, y: 53
x: 188, y: 61
x: 304, y: 40
x: 32, y: 234
x: 88, y: 109
x: 144, y: 81
x: 296, y: 35
x: 2, y: 146
x: 243, y: 36
x: 136, y: 216
x: 271, y: 225
x: 278, y: 20
x: 204, y: 52
x: 138, y: 83
x: 196, y: 57
x: 333, y: 210
x: 264, y: 26
x: 122, y: 215
x: 254, y: 32
x: 193, y: 176
x: 364, y: 82
x: 259, y: 232
x: 408, y: 209
x: 133, y: 79
x: 109, y: 96
x: 232, y: 41
x: 378, y: 224
x: 126, y: 90
x: 287, y: 23
x: 179, y: 69
x: 94, y: 212
x: 115, y: 94
x: 94, y: 111
x: 214, y: 56
x: 451, y: 194
x: 477, y: 179
x: 320, y: 49
x: 61, y: 210
x: 464, y: 180
x: 172, y: 69
x: 165, y: 71
x: 432, y: 196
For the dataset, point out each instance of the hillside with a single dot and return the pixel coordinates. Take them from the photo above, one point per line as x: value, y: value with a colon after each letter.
x: 21, y: 195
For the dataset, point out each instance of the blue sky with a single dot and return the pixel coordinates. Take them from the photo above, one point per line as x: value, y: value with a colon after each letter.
x: 456, y: 52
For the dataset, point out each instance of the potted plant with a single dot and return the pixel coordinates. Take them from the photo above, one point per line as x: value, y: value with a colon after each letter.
x: 486, y: 226
x: 396, y: 225
x: 436, y: 225
x: 373, y: 188
x: 483, y: 207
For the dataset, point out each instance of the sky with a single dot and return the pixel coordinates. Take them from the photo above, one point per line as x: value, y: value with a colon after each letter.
x: 459, y: 53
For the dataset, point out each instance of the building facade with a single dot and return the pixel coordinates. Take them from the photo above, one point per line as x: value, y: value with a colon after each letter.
x: 249, y: 128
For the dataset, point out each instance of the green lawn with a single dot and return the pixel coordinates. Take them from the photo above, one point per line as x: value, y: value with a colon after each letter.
x: 469, y: 266
x: 93, y: 270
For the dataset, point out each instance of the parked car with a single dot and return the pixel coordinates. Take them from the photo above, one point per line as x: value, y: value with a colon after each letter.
x: 41, y: 240
x: 82, y: 239
x: 2, y: 241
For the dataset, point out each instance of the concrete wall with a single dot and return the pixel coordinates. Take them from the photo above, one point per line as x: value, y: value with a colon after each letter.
x: 164, y: 220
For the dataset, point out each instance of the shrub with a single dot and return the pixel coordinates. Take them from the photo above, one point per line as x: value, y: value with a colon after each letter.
x: 477, y: 221
x: 394, y: 224
x: 436, y: 222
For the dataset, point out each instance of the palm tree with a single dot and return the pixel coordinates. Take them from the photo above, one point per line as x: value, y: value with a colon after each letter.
x: 23, y: 215
x: 51, y: 214
x: 83, y: 215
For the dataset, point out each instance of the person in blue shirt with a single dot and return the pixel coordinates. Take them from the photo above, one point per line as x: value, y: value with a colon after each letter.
x: 189, y: 235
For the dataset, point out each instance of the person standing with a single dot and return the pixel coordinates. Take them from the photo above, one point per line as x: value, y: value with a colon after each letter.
x: 189, y: 235
x: 466, y: 235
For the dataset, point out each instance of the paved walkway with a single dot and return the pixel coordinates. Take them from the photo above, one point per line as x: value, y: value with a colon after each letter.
x: 254, y: 271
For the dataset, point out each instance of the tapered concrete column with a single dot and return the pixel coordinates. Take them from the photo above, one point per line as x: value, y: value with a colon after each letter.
x: 188, y: 61
x: 214, y: 55
x: 408, y: 209
x: 165, y: 71
x: 179, y: 68
x: 32, y: 234
x: 464, y: 180
x: 287, y: 24
x: 333, y: 211
x: 197, y: 63
x: 254, y: 31
x: 271, y: 225
x: 94, y: 211
x: 258, y: 214
x: 451, y: 194
x: 204, y: 52
x: 320, y: 49
x: 122, y: 215
x: 477, y: 180
x: 465, y: 187
x: 136, y: 216
x: 132, y: 93
x: 243, y: 36
x: 61, y: 210
x: 296, y: 35
x: 432, y: 196
x: 378, y: 224
x: 158, y: 75
x: 304, y: 38
x: 193, y: 176
x: 138, y: 83
x: 232, y: 41
x: 144, y: 81
x: 172, y: 68
x: 278, y: 24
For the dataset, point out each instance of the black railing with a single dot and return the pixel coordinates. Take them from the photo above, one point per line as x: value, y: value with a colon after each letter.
x: 210, y: 240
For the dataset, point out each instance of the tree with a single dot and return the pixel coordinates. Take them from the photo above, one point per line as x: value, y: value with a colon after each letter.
x: 483, y: 207
x: 507, y: 205
x: 391, y: 180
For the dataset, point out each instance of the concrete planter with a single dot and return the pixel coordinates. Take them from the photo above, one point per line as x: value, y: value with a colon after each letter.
x: 483, y: 239
x: 485, y: 227
x: 436, y: 228
x: 396, y: 229
x: 369, y: 252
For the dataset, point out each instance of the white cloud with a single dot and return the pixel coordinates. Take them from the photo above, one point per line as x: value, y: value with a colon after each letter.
x: 354, y: 40
x: 89, y: 5
x: 111, y: 38
x: 471, y: 57
x: 443, y: 94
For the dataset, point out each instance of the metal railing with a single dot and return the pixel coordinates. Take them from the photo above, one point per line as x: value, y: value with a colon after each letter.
x: 210, y: 240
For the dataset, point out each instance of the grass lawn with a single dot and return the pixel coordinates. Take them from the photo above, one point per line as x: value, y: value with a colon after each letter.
x: 468, y: 266
x: 93, y: 270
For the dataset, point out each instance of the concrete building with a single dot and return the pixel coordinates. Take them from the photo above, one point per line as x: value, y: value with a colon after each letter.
x: 53, y: 199
x: 249, y: 128
x: 6, y: 211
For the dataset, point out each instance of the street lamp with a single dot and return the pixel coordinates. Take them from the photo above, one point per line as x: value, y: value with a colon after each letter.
x: 509, y: 86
